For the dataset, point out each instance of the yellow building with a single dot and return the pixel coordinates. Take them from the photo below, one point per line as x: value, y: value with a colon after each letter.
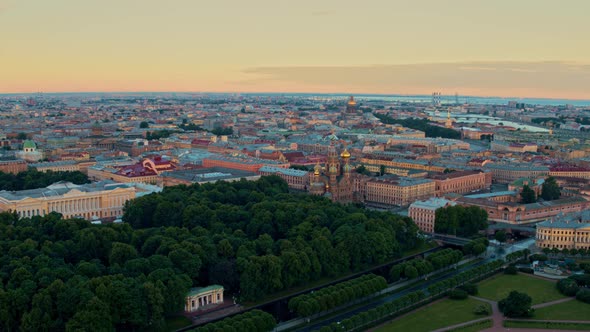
x: 398, y: 191
x: 571, y: 233
x: 103, y: 199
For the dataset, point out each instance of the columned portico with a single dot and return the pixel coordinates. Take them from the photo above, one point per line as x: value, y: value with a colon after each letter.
x: 200, y: 297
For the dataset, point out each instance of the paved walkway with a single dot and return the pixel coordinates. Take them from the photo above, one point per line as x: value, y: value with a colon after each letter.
x: 498, y: 318
x: 546, y: 304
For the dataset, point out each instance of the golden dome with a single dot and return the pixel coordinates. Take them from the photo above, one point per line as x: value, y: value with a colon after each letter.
x: 316, y: 169
x: 345, y: 154
x: 351, y: 101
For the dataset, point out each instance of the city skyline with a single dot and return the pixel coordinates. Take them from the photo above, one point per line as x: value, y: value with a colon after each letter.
x: 527, y: 49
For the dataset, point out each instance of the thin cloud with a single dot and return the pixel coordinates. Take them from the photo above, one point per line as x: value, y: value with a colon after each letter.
x: 549, y: 79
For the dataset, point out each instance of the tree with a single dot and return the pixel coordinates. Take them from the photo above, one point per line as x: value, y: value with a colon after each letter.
x: 583, y: 295
x: 363, y: 170
x: 94, y: 317
x: 481, y: 309
x: 550, y: 189
x: 458, y: 294
x: 567, y: 287
x: 144, y: 125
x: 510, y: 270
x: 516, y: 305
x: 527, y: 195
x: 410, y: 272
x: 500, y: 236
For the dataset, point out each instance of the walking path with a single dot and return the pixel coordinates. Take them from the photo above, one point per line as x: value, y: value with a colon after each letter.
x: 498, y: 318
x: 546, y: 304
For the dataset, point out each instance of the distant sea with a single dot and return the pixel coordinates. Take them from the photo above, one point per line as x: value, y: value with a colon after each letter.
x: 445, y: 99
x: 450, y: 99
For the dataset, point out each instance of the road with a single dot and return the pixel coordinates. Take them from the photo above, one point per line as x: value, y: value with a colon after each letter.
x: 492, y: 254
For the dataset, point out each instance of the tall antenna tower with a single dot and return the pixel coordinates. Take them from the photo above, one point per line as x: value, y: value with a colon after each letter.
x: 456, y: 98
x: 436, y: 98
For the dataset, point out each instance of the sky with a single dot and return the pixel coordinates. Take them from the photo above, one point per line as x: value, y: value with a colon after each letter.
x: 508, y: 48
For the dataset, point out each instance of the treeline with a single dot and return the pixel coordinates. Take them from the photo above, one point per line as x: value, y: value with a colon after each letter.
x: 255, y: 238
x: 366, y: 318
x: 576, y: 285
x: 460, y: 221
x: 419, y: 267
x: 33, y: 179
x: 407, y: 302
x: 333, y: 296
x: 71, y: 275
x: 157, y: 134
x: 422, y: 125
x: 476, y: 247
x: 250, y: 321
x: 463, y: 277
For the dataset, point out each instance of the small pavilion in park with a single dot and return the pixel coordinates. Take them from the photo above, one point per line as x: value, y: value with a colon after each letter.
x: 200, y: 297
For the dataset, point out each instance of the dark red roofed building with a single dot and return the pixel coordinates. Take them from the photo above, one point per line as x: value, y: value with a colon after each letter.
x: 573, y: 171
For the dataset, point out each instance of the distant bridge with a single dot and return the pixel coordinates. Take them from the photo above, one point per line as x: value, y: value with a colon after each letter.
x: 450, y: 239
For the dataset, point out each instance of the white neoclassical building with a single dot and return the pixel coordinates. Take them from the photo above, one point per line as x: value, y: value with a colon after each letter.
x: 104, y: 199
x: 200, y: 297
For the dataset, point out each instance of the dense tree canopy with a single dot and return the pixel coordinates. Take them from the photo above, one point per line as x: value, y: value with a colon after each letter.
x: 269, y: 238
x: 422, y: 125
x: 460, y: 221
x: 254, y: 238
x: 62, y: 275
x: 32, y: 179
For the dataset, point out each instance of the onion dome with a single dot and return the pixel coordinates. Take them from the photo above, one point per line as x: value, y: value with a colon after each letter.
x: 317, y: 169
x: 345, y: 154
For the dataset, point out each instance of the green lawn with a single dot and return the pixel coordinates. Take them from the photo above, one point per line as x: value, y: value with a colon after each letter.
x: 499, y: 286
x: 546, y: 325
x: 571, y: 310
x: 475, y: 327
x: 441, y: 314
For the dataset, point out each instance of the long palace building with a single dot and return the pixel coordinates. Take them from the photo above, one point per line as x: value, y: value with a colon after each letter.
x: 104, y: 199
x: 570, y: 231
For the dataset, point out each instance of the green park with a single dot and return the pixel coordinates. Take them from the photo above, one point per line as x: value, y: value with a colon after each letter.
x: 437, y: 315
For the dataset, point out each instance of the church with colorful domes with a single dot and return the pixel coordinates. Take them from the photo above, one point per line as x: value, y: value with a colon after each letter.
x: 337, y: 179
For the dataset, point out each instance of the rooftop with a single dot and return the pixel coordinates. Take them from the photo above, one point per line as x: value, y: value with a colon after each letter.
x: 59, y: 189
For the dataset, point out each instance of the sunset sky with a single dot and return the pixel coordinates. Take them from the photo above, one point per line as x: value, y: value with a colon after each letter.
x: 516, y: 48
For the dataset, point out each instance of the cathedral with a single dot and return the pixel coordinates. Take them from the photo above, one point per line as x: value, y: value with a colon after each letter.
x: 337, y: 180
x: 350, y: 115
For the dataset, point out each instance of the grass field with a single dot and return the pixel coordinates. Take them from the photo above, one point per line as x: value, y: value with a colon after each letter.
x: 571, y: 310
x: 499, y: 286
x: 475, y: 327
x: 438, y: 315
x: 546, y: 325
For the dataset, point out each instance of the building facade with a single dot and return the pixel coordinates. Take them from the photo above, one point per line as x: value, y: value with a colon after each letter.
x: 103, y: 199
x: 568, y: 232
x: 507, y: 173
x: 13, y: 166
x: 515, y: 213
x: 424, y: 212
x: 57, y: 166
x: 461, y: 182
x: 200, y: 297
x: 296, y: 179
x: 398, y: 191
